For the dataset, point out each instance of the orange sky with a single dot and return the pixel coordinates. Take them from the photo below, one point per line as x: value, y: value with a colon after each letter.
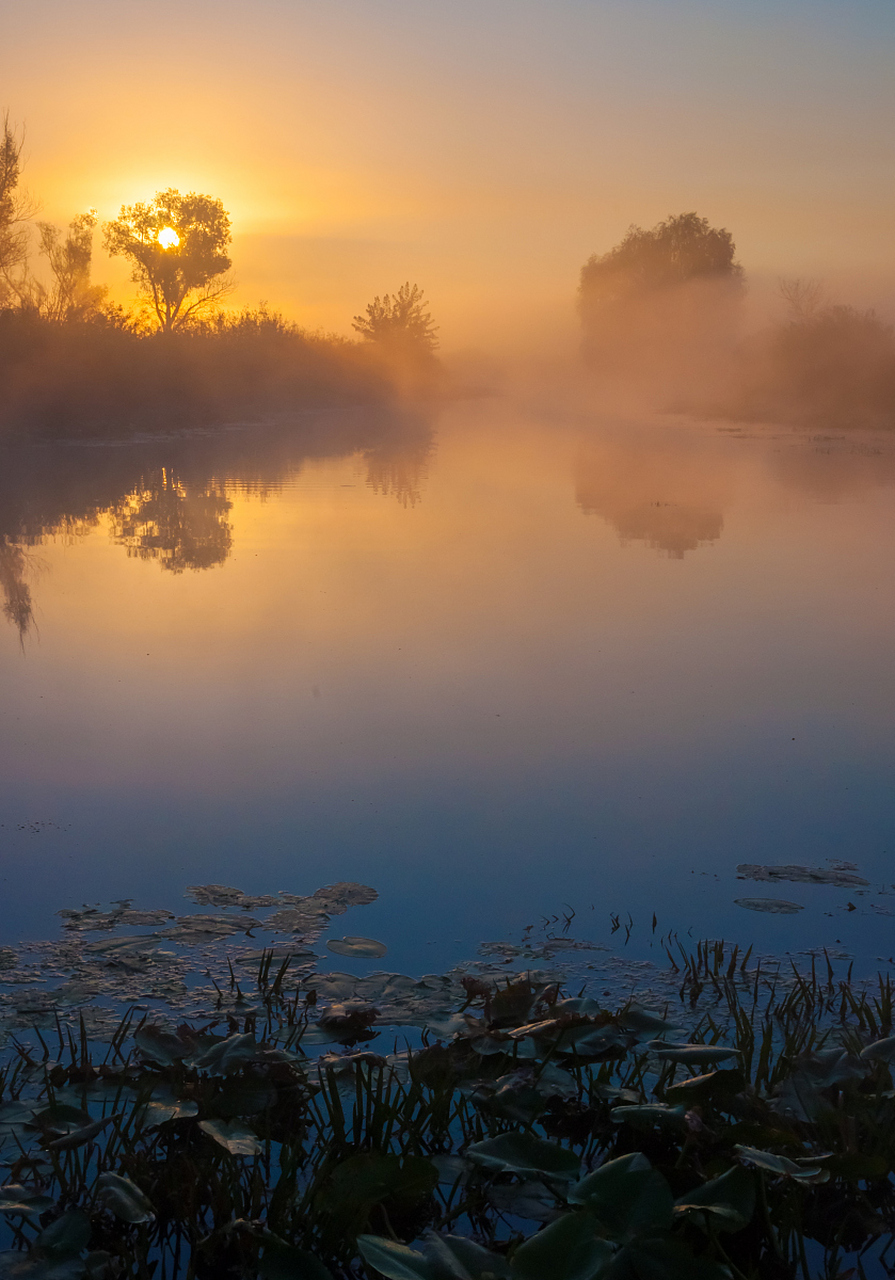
x: 483, y: 148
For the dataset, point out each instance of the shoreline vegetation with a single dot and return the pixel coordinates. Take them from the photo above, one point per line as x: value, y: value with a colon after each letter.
x: 282, y: 1122
x: 661, y: 314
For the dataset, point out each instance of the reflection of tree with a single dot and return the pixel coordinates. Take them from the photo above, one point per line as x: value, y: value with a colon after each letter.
x: 181, y: 526
x: 399, y: 471
x: 16, y: 592
x: 665, y: 497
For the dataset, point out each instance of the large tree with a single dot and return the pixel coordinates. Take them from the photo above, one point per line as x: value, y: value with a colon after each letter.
x: 176, y: 246
x: 663, y: 304
x: 15, y: 211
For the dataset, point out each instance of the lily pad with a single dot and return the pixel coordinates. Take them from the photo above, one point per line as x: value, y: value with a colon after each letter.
x: 525, y: 1154
x: 124, y: 1198
x: 801, y: 875
x: 367, y: 947
x: 773, y: 906
x: 234, y: 1137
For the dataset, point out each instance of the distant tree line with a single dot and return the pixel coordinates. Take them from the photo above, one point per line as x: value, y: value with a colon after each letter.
x: 661, y: 314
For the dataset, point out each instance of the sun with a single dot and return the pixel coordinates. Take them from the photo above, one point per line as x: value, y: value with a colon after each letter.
x: 168, y: 238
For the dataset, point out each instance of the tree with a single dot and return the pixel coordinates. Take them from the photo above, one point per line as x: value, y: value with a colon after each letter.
x: 682, y: 248
x: 71, y: 294
x: 661, y: 309
x: 401, y: 323
x: 176, y: 246
x: 15, y: 210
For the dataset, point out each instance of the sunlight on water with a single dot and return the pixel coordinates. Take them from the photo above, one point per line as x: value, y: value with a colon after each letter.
x: 519, y: 661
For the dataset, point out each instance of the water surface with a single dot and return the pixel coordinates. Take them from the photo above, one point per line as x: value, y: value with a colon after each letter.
x: 492, y: 664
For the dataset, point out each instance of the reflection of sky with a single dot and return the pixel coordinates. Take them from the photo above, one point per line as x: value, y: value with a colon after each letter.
x: 485, y: 704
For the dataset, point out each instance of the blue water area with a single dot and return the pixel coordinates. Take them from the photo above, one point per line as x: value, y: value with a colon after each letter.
x: 502, y: 664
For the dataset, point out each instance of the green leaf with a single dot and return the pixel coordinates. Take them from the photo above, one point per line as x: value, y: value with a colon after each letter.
x: 880, y: 1050
x: 627, y: 1195
x: 456, y: 1258
x: 525, y: 1154
x: 286, y: 1262
x: 697, y: 1054
x: 226, y: 1056
x: 162, y: 1106
x: 67, y: 1236
x: 366, y: 947
x: 803, y: 1171
x: 77, y: 1137
x: 646, y: 1114
x: 569, y: 1249
x: 729, y: 1199
x: 162, y: 1047
x: 661, y: 1259
x: 15, y: 1199
x: 124, y: 1199
x: 25, y: 1266
x: 395, y: 1261
x: 234, y: 1137
x: 369, y: 1178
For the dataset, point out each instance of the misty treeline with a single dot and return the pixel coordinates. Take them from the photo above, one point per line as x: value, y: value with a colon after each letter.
x: 662, y: 314
x: 73, y: 362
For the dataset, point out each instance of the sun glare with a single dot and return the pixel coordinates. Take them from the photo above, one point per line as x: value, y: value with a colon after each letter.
x: 168, y: 238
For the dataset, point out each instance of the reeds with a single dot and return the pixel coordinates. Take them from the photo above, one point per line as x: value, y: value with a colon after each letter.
x: 744, y: 1131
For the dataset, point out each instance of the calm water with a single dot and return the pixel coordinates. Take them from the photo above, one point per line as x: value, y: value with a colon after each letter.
x: 491, y: 665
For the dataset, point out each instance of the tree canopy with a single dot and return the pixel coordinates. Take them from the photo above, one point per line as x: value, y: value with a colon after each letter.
x: 683, y: 248
x: 15, y: 211
x: 401, y: 320
x: 176, y: 245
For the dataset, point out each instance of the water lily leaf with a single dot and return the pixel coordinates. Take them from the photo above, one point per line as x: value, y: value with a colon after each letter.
x: 457, y: 1258
x: 15, y: 1199
x: 697, y: 1054
x: 287, y: 1262
x: 24, y: 1266
x: 661, y: 1259
x: 525, y: 1154
x: 879, y: 1051
x: 627, y: 1195
x: 124, y: 1198
x: 804, y: 875
x: 232, y: 1136
x: 67, y: 1236
x: 569, y: 1249
x: 728, y: 1199
x: 774, y: 906
x: 808, y: 1171
x: 162, y: 1047
x: 225, y: 1056
x: 368, y: 1178
x: 244, y: 1098
x: 357, y: 947
x: 644, y: 1025
x: 395, y: 1261
x: 61, y: 1118
x: 529, y: 1199
x: 714, y: 1084
x: 163, y: 1106
x: 77, y: 1137
x: 646, y: 1114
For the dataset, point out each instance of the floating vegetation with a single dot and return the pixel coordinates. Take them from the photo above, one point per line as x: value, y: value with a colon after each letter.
x: 774, y: 906
x: 366, y: 947
x: 842, y: 874
x: 306, y: 1124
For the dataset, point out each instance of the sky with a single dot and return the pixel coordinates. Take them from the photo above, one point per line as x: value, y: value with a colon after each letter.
x: 481, y: 148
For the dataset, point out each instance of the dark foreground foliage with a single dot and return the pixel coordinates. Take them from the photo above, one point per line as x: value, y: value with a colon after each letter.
x: 101, y: 376
x: 747, y: 1132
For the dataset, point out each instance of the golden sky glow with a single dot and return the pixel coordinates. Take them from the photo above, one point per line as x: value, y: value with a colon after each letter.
x: 481, y: 149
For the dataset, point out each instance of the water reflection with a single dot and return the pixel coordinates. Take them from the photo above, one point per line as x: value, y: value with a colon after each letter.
x: 670, y: 495
x: 169, y: 500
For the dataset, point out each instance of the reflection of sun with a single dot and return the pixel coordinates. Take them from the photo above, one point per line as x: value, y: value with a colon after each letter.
x: 168, y: 238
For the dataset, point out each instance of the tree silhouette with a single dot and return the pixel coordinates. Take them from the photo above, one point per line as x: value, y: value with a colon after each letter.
x: 176, y: 246
x: 15, y: 210
x: 182, y: 526
x: 661, y: 308
x: 71, y: 295
x: 401, y: 322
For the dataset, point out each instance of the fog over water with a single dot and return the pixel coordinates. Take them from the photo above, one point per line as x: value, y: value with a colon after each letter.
x: 513, y: 655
